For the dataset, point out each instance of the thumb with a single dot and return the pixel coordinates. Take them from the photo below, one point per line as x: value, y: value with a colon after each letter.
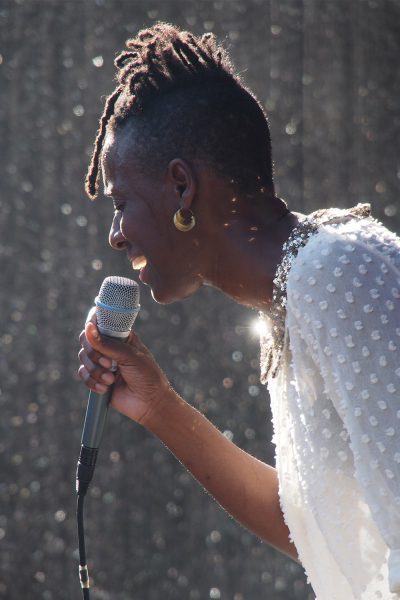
x: 114, y: 349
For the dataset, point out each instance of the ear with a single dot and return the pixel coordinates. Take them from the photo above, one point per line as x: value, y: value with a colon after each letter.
x: 181, y: 177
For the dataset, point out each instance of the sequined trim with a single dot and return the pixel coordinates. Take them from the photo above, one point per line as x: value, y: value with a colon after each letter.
x: 273, y: 328
x: 274, y: 321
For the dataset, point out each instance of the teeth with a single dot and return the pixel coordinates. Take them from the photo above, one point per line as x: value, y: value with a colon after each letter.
x: 139, y: 263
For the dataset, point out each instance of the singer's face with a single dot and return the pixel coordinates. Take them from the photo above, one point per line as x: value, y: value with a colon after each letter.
x: 169, y: 261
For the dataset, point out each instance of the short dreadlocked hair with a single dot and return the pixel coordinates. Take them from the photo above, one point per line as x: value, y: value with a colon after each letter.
x: 181, y: 96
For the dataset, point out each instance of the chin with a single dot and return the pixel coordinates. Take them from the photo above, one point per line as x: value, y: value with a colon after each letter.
x: 169, y: 294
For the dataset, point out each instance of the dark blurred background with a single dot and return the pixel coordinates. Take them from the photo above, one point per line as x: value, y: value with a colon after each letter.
x: 328, y: 75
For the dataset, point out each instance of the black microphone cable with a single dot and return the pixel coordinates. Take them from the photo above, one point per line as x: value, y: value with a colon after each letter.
x: 117, y: 306
x: 84, y: 474
x: 83, y: 570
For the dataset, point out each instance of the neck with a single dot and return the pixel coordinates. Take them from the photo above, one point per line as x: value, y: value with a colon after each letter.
x: 248, y: 252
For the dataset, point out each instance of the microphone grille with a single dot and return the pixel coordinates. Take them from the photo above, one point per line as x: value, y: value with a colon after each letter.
x: 117, y: 305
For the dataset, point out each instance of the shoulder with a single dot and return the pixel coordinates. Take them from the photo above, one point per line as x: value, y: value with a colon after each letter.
x: 351, y: 243
x: 354, y: 257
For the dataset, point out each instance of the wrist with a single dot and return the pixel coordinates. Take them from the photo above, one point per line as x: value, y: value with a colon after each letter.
x: 157, y: 417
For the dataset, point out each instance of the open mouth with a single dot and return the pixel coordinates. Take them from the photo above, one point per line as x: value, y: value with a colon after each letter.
x: 139, y: 263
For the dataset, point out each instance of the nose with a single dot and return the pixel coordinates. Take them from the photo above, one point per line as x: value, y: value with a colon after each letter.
x: 116, y: 238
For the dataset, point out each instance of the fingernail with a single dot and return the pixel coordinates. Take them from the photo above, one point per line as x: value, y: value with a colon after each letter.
x: 107, y: 377
x: 105, y: 362
x: 95, y: 333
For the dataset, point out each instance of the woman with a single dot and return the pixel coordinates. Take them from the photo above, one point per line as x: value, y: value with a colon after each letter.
x: 185, y: 155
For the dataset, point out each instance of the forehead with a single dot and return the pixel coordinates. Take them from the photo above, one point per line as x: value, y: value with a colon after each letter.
x: 116, y: 153
x: 113, y: 151
x: 120, y: 166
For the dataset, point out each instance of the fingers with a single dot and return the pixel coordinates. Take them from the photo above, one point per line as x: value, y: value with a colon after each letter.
x: 99, y: 354
x: 94, y: 376
x: 90, y: 382
x: 96, y: 372
x: 111, y: 348
x: 95, y: 356
x: 94, y: 369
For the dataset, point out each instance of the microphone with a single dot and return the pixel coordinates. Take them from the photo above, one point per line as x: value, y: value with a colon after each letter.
x: 117, y: 306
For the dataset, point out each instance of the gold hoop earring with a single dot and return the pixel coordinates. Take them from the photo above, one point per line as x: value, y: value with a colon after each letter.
x: 184, y: 219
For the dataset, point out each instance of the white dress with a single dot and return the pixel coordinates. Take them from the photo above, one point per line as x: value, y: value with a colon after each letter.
x: 333, y: 358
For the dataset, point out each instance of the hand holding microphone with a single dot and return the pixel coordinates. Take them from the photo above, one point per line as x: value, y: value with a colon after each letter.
x: 137, y: 385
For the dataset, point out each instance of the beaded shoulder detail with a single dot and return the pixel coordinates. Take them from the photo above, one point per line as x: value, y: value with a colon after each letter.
x: 273, y: 322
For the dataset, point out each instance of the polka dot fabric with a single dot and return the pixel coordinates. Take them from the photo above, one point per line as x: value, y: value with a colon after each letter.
x: 336, y: 410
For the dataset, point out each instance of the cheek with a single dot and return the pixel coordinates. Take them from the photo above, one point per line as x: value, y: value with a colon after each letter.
x: 148, y: 231
x: 132, y: 223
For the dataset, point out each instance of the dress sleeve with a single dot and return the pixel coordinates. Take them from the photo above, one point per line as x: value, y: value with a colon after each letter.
x: 343, y: 300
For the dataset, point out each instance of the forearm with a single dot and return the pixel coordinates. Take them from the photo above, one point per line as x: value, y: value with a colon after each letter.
x: 246, y: 487
x: 243, y: 485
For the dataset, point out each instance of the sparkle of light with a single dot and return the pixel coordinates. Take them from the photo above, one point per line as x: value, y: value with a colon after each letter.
x: 258, y: 327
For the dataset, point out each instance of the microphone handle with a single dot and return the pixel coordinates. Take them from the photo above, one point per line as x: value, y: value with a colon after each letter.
x: 97, y: 406
x: 96, y: 413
